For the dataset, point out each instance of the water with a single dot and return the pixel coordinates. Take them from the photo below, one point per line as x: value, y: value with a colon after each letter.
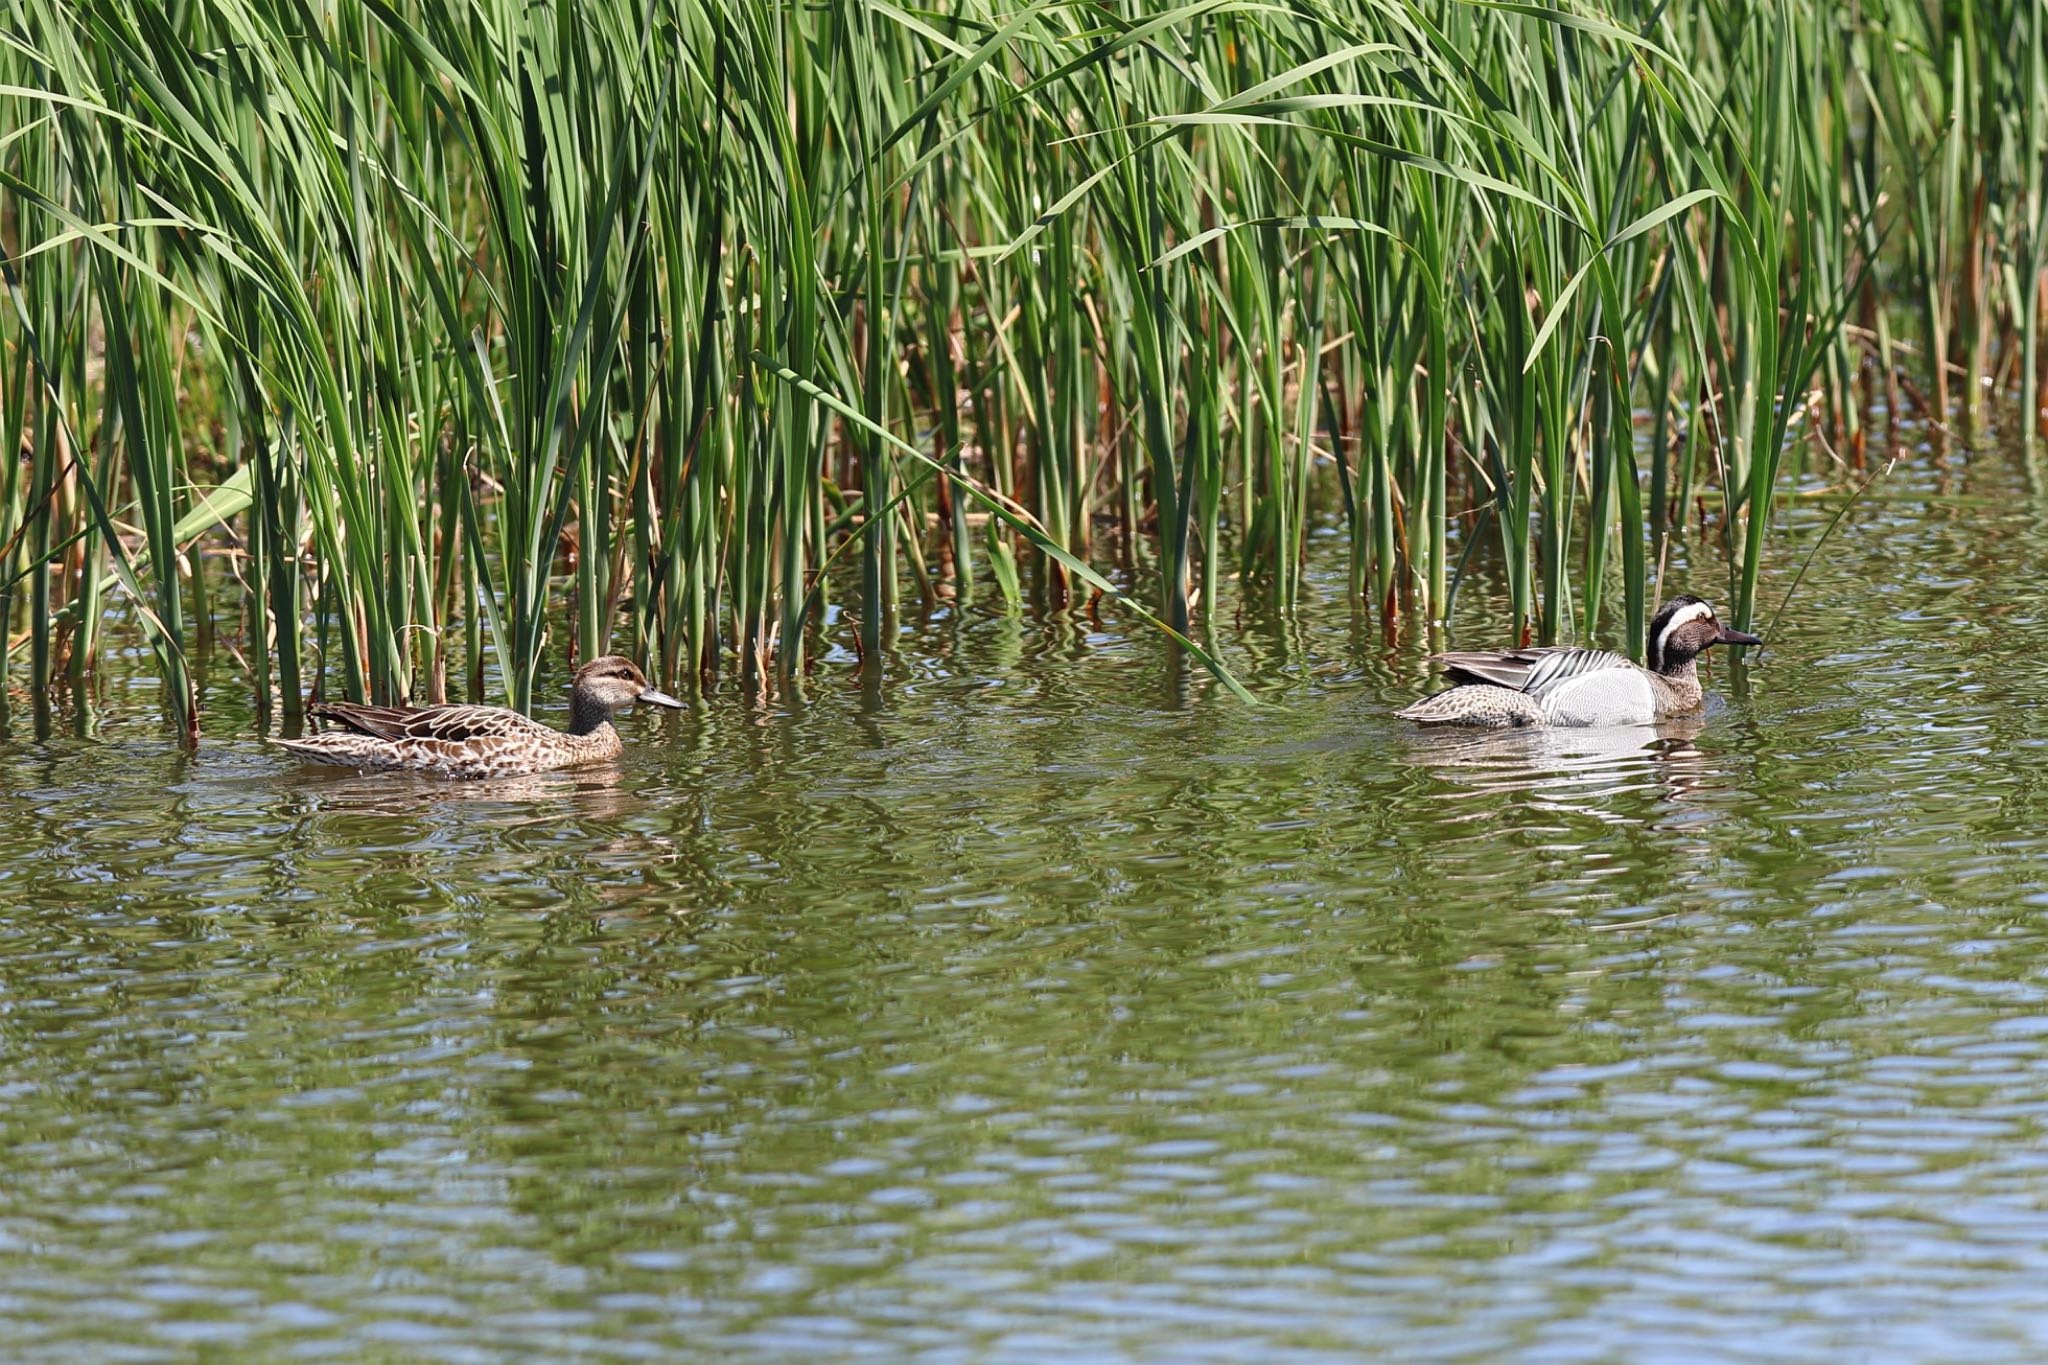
x: 1024, y: 1014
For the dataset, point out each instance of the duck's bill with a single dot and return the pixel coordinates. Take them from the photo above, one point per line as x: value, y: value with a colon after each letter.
x: 1735, y: 637
x: 660, y: 699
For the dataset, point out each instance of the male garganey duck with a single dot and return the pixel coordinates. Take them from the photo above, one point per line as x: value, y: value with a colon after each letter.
x: 1562, y: 685
x: 481, y: 741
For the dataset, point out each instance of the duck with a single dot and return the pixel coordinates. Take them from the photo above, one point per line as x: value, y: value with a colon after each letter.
x: 1562, y: 685
x: 476, y: 742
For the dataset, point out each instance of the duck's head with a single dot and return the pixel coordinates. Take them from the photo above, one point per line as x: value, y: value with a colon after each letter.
x: 611, y: 682
x: 1685, y: 627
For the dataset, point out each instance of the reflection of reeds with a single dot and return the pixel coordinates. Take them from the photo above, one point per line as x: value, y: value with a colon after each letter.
x: 466, y: 312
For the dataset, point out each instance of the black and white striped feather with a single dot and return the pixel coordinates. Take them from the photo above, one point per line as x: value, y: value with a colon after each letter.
x: 1537, y: 671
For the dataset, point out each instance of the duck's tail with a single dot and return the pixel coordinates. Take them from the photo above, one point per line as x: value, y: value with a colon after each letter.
x: 336, y: 749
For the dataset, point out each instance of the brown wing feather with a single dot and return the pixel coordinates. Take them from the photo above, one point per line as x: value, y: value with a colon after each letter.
x: 379, y: 722
x: 450, y: 723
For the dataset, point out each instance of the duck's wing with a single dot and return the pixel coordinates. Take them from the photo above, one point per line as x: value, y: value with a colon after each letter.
x: 1509, y: 668
x: 1534, y: 671
x: 378, y: 722
x: 451, y: 723
x: 456, y: 724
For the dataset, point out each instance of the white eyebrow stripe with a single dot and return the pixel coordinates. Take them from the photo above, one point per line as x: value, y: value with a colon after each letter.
x: 1698, y: 611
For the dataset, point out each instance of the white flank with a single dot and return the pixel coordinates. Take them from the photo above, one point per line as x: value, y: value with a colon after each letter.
x: 1611, y: 696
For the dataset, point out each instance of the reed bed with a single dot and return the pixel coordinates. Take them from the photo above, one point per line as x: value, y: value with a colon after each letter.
x: 445, y: 325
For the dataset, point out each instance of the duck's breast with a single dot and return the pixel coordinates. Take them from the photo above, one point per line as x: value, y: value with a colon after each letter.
x: 1610, y: 696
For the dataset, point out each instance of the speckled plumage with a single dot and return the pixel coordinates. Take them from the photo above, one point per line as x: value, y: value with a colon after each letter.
x: 1566, y: 686
x: 478, y: 742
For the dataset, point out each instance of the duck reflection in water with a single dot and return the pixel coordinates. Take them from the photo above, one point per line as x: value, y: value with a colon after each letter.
x: 1579, y: 768
x: 584, y: 794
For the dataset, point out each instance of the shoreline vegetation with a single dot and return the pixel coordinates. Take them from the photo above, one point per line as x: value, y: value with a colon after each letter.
x: 443, y: 323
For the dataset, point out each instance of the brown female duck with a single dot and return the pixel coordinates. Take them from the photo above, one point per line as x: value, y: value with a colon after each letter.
x: 481, y: 741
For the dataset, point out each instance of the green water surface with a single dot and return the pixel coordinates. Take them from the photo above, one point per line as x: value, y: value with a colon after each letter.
x: 1034, y: 1009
